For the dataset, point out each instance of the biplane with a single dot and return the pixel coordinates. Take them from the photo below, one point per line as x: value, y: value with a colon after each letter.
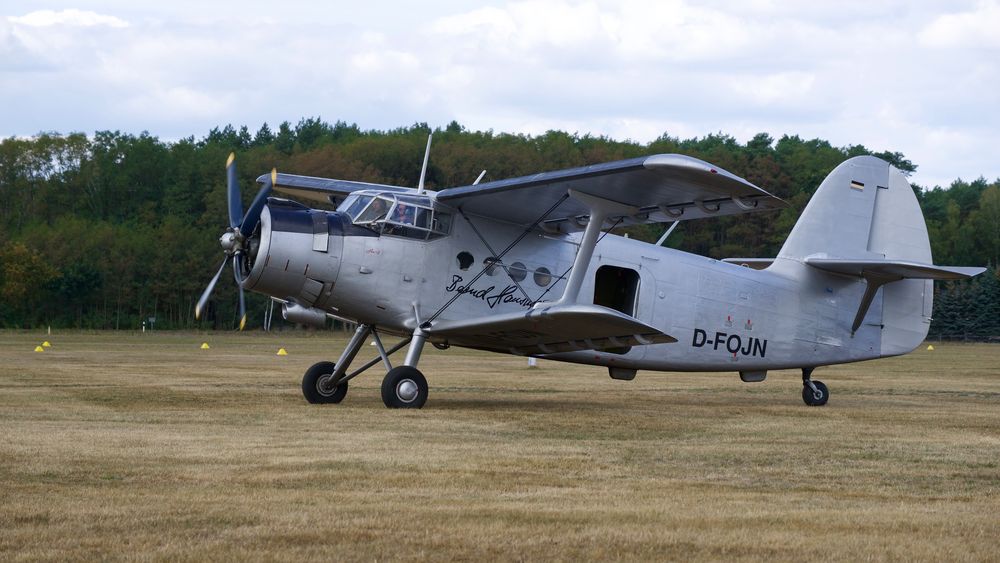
x: 528, y: 266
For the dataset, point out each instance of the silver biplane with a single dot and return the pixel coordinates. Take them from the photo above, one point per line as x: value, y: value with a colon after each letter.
x: 527, y: 266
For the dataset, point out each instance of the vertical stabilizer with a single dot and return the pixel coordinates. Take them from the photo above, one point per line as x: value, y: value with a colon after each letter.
x: 866, y: 210
x: 838, y: 220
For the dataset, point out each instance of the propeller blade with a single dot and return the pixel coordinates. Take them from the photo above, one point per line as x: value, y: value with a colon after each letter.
x: 243, y: 309
x: 238, y: 276
x: 253, y: 213
x: 208, y: 291
x: 233, y: 193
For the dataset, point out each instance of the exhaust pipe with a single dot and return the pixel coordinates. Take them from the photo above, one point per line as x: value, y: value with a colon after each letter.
x: 302, y: 315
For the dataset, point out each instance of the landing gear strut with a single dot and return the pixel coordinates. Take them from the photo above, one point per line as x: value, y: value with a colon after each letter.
x: 403, y: 387
x: 814, y: 393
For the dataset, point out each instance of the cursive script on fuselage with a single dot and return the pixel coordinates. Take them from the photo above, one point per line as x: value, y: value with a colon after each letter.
x: 490, y: 295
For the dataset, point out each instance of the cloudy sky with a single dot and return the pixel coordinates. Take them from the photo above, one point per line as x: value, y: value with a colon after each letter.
x: 919, y: 77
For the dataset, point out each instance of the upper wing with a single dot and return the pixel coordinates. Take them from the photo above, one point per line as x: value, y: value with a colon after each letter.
x: 664, y: 187
x: 324, y: 190
x: 562, y: 328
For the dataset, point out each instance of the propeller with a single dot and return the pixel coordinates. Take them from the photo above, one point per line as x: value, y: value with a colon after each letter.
x: 235, y: 240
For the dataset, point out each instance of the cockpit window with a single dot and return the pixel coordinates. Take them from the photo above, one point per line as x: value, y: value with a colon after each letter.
x: 354, y: 205
x: 376, y: 211
x: 404, y: 215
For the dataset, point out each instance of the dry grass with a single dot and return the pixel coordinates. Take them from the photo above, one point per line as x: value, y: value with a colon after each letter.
x: 145, y: 447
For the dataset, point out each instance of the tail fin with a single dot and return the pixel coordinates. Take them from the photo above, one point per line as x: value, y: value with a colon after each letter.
x: 865, y: 209
x: 864, y: 220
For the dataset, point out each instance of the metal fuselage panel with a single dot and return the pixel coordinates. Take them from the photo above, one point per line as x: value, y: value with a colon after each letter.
x: 725, y: 317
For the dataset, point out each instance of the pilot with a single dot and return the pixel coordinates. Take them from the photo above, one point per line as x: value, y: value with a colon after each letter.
x: 374, y: 212
x: 403, y: 213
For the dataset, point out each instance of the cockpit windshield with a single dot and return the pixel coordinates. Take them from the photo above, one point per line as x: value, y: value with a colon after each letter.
x: 405, y: 215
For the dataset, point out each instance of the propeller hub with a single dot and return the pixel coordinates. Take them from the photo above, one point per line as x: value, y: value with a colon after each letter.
x: 230, y: 241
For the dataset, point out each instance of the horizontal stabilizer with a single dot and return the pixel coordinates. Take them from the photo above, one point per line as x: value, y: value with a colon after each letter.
x: 547, y: 330
x: 893, y: 269
x: 877, y: 273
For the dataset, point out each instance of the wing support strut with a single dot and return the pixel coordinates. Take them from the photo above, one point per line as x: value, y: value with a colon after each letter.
x: 600, y: 209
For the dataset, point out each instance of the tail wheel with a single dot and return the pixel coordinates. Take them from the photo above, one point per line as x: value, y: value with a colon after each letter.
x: 404, y: 387
x: 316, y: 386
x: 815, y: 395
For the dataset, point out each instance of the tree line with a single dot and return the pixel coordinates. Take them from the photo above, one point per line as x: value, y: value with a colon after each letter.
x: 107, y: 230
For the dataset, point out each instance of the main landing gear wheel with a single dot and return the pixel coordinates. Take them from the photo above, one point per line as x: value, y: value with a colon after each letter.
x: 316, y: 384
x: 404, y: 387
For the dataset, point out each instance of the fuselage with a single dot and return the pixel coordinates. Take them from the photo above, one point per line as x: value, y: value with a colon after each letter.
x: 726, y: 317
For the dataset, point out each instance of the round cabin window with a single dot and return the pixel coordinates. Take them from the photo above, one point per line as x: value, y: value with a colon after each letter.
x: 518, y: 272
x: 543, y: 277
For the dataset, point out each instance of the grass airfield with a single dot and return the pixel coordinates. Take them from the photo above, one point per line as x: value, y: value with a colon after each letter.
x: 131, y: 446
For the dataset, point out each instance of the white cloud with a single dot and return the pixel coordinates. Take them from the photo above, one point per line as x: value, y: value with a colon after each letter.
x: 919, y: 78
x: 79, y: 18
x: 597, y: 33
x: 176, y: 102
x: 975, y: 28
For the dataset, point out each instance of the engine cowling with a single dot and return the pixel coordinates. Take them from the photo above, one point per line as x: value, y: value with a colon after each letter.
x: 295, y: 256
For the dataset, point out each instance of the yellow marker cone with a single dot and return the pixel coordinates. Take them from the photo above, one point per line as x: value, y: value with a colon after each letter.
x: 282, y: 352
x: 47, y: 344
x: 39, y: 349
x: 930, y: 346
x: 204, y: 345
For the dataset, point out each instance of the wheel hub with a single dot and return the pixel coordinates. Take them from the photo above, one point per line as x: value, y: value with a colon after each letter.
x: 323, y: 385
x: 407, y: 390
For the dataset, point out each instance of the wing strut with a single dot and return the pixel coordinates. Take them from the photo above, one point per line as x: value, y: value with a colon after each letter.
x: 600, y: 209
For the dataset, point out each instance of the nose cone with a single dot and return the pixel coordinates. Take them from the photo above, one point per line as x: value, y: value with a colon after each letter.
x: 298, y: 254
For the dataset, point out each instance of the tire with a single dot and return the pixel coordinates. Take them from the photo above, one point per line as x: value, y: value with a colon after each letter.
x: 312, y: 385
x: 810, y: 397
x: 404, y: 387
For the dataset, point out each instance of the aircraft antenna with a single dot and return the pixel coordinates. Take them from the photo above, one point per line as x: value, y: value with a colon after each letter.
x: 423, y: 171
x: 480, y: 177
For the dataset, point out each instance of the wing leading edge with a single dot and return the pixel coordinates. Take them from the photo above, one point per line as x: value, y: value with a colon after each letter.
x: 563, y: 328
